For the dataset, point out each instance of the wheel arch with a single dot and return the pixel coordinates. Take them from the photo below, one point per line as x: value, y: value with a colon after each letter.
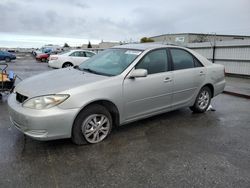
x: 211, y: 87
x: 7, y: 58
x: 67, y: 62
x: 110, y: 106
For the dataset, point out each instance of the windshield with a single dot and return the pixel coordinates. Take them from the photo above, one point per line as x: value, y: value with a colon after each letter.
x: 110, y: 62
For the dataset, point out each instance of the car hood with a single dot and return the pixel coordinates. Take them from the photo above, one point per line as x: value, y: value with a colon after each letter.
x: 56, y: 81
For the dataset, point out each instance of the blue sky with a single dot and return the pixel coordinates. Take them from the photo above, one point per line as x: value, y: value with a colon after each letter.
x: 35, y: 22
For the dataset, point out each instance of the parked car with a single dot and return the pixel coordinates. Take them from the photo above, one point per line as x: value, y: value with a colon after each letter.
x: 6, y: 56
x: 47, y: 49
x: 41, y: 51
x: 12, y: 50
x: 43, y: 57
x: 35, y: 52
x: 115, y: 87
x: 69, y: 58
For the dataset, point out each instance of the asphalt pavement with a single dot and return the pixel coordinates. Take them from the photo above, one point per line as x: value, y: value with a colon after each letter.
x: 175, y: 149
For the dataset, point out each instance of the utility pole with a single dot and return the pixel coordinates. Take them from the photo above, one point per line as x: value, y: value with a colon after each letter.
x: 213, y: 60
x: 213, y: 47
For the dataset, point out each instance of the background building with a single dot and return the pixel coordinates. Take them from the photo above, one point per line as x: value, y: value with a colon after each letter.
x: 185, y: 38
x: 102, y: 45
x: 108, y: 44
x: 233, y: 51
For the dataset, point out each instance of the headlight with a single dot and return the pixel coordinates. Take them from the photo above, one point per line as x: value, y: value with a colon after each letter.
x: 45, y: 102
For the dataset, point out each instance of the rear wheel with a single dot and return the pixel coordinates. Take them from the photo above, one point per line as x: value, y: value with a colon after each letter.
x: 202, y: 101
x: 68, y: 64
x: 92, y: 125
x: 7, y: 59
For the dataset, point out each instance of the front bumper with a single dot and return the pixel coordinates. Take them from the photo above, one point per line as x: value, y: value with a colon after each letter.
x: 49, y: 124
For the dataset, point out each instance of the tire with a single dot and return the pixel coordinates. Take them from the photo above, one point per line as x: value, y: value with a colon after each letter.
x: 43, y: 59
x: 68, y: 64
x: 202, y: 101
x: 88, y: 129
x: 7, y: 59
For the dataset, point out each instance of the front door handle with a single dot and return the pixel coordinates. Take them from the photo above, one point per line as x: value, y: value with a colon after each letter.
x: 167, y: 79
x: 202, y: 73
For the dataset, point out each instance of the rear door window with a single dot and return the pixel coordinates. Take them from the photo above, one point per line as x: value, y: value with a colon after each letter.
x: 78, y: 54
x: 89, y: 54
x: 181, y: 59
x: 81, y: 54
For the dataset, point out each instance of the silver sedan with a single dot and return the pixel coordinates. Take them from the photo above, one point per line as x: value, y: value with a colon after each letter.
x: 117, y: 86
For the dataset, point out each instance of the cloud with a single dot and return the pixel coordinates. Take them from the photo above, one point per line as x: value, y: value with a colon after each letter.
x: 116, y: 20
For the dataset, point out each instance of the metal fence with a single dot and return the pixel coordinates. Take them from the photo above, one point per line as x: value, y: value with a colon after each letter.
x: 234, y: 55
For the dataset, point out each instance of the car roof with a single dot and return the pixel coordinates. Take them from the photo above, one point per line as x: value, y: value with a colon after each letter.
x: 151, y: 46
x: 80, y: 50
x: 143, y: 46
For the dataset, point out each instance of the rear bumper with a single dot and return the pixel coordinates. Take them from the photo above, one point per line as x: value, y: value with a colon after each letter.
x: 219, y: 87
x: 54, y: 64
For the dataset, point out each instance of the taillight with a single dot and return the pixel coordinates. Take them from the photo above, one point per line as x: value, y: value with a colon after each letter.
x: 53, y: 58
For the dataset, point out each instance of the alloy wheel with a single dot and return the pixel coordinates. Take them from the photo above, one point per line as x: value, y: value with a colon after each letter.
x: 95, y: 128
x: 203, y: 99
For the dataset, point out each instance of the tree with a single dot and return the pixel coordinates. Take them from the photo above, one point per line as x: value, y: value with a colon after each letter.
x: 89, y: 45
x: 145, y: 39
x: 66, y: 45
x: 201, y: 38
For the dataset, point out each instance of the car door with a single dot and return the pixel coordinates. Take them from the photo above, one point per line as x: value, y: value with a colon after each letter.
x: 77, y: 57
x: 188, y: 76
x: 151, y: 94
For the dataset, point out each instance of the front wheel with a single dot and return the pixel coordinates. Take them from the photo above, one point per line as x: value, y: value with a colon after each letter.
x: 202, y: 101
x: 92, y: 125
x: 65, y: 65
x: 7, y: 59
x: 43, y: 59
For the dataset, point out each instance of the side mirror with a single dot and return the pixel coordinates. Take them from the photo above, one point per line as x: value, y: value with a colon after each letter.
x: 137, y: 73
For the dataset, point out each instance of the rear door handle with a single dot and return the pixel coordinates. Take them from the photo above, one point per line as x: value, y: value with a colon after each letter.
x: 167, y: 79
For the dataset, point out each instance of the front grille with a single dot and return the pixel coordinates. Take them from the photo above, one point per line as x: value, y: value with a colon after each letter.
x: 20, y: 98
